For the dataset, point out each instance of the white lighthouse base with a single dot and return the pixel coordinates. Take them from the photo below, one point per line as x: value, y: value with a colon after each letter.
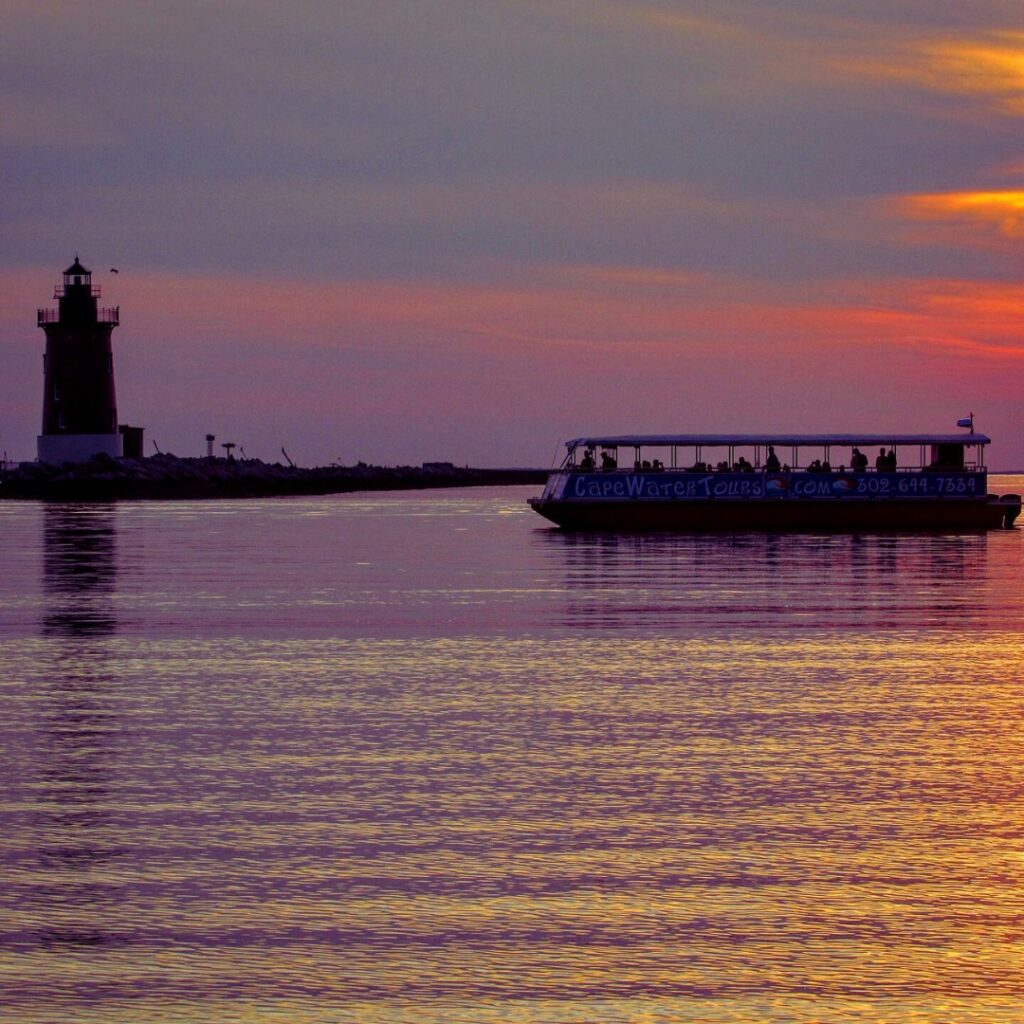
x: 58, y: 448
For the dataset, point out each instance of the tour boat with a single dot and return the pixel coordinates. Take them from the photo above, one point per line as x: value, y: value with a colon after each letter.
x: 730, y: 482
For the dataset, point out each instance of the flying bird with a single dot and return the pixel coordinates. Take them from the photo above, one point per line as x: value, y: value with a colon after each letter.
x: 113, y: 270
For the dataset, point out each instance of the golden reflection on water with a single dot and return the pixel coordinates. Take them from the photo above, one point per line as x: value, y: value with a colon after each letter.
x: 594, y: 780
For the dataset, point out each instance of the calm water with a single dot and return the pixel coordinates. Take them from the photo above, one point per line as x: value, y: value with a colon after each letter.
x: 418, y: 758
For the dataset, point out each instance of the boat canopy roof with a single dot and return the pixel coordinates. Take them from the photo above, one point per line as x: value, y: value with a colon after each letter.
x: 781, y: 440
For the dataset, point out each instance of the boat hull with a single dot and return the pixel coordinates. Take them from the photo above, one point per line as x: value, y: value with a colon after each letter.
x: 811, y: 515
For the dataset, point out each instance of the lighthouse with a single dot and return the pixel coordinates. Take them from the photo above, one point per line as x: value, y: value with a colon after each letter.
x: 79, y: 401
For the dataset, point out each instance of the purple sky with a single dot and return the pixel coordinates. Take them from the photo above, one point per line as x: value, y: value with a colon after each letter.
x: 399, y: 231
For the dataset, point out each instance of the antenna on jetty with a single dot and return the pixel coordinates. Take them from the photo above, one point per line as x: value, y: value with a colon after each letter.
x: 288, y: 457
x: 210, y: 438
x: 157, y: 447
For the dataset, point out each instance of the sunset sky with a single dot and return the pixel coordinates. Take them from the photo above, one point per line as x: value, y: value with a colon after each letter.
x: 406, y: 230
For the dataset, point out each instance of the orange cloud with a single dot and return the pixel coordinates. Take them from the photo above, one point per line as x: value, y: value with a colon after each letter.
x: 607, y: 307
x: 1002, y: 211
x: 617, y: 310
x: 613, y: 312
x: 994, y: 70
x: 989, y: 67
x: 825, y: 48
x: 640, y: 15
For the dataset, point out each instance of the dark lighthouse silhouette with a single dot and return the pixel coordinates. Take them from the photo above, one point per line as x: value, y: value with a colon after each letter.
x: 79, y: 397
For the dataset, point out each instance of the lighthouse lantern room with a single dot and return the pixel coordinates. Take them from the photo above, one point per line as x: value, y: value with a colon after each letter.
x: 79, y: 399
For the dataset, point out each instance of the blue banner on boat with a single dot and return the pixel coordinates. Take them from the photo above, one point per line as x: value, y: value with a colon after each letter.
x: 685, y: 486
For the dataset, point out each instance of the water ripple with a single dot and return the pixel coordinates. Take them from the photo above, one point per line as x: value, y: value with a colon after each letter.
x: 456, y: 768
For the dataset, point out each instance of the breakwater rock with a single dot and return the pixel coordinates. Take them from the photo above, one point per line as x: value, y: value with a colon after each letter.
x: 168, y: 477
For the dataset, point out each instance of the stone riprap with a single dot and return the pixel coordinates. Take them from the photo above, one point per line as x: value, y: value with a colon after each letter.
x: 166, y: 476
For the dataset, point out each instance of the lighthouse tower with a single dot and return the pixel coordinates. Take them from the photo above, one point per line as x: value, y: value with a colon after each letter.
x: 79, y: 402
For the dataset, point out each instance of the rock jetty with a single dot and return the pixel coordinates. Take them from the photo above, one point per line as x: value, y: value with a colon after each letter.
x: 168, y: 477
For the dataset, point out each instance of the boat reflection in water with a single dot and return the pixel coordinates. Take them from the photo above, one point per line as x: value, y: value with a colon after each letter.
x: 705, y: 583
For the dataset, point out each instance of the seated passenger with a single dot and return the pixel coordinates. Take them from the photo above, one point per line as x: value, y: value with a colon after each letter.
x: 588, y: 459
x: 608, y: 460
x: 645, y: 464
